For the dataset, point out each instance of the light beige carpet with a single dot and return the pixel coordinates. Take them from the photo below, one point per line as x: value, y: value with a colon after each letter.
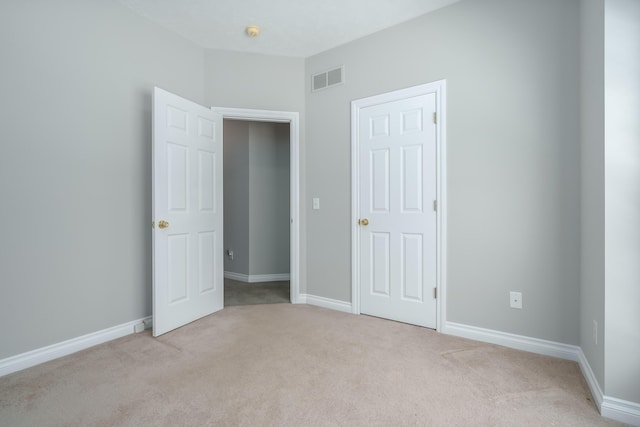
x: 298, y: 365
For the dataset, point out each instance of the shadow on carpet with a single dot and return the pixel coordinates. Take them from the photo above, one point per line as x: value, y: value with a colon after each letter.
x: 242, y: 293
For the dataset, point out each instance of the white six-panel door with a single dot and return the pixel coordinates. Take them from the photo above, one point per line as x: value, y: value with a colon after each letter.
x: 187, y: 212
x: 397, y: 190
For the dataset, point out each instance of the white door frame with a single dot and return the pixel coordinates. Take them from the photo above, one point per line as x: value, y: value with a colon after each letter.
x: 294, y: 178
x: 439, y: 88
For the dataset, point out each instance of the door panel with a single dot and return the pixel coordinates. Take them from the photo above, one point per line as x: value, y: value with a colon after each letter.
x: 206, y: 180
x: 411, y: 179
x: 411, y: 264
x: 397, y: 166
x: 380, y: 264
x: 379, y: 181
x: 206, y: 270
x: 187, y: 195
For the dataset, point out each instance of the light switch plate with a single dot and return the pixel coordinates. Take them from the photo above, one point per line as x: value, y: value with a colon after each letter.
x: 316, y: 203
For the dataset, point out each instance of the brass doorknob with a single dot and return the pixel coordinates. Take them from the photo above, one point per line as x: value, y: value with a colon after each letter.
x: 364, y: 221
x: 163, y: 224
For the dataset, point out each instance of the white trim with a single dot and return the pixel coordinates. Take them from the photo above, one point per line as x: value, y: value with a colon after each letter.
x: 439, y: 88
x: 590, y: 377
x: 236, y: 276
x: 621, y: 410
x: 269, y: 277
x: 355, y: 209
x: 257, y: 277
x: 441, y: 195
x: 64, y: 348
x: 293, y: 118
x: 520, y: 342
x: 329, y: 303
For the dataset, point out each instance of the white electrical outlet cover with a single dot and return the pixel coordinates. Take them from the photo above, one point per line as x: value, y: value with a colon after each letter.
x: 515, y: 300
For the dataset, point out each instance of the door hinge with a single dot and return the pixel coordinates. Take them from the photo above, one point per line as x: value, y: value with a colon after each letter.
x: 435, y: 293
x: 435, y: 118
x: 435, y: 206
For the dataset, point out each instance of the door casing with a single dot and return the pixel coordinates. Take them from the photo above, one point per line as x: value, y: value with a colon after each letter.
x: 294, y: 178
x: 439, y: 88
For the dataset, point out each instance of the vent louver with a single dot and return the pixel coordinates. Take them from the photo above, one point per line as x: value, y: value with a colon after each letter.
x: 327, y: 79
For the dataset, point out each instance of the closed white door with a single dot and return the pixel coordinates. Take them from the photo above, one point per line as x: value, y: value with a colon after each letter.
x: 187, y: 212
x: 397, y: 175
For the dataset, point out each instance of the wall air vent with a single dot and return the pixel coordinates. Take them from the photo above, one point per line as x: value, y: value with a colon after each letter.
x: 327, y: 79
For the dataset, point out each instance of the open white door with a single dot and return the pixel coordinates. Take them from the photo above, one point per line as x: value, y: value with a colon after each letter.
x: 187, y: 212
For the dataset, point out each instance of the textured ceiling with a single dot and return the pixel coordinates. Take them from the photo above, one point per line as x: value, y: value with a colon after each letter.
x: 298, y: 28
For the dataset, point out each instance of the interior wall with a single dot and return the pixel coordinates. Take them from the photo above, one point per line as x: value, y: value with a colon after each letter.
x: 513, y: 157
x: 592, y: 185
x: 622, y: 200
x: 236, y: 195
x: 269, y: 213
x: 75, y: 169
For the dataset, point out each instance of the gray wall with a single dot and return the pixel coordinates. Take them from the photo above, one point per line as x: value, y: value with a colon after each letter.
x: 513, y: 157
x: 249, y: 80
x: 76, y: 165
x: 622, y: 206
x: 268, y: 198
x: 75, y: 168
x: 236, y: 195
x: 592, y: 194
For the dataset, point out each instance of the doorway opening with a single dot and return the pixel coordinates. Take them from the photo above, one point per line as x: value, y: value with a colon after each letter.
x: 261, y: 272
x: 256, y: 212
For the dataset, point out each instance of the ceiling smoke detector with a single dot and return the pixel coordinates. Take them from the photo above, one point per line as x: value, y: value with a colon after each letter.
x: 253, y: 30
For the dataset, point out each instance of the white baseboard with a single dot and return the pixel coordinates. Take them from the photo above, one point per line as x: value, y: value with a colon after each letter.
x: 520, y: 342
x: 269, y: 277
x: 257, y: 277
x: 329, y: 303
x: 64, y: 348
x: 236, y: 276
x: 621, y: 410
x: 592, y: 382
x: 609, y: 407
